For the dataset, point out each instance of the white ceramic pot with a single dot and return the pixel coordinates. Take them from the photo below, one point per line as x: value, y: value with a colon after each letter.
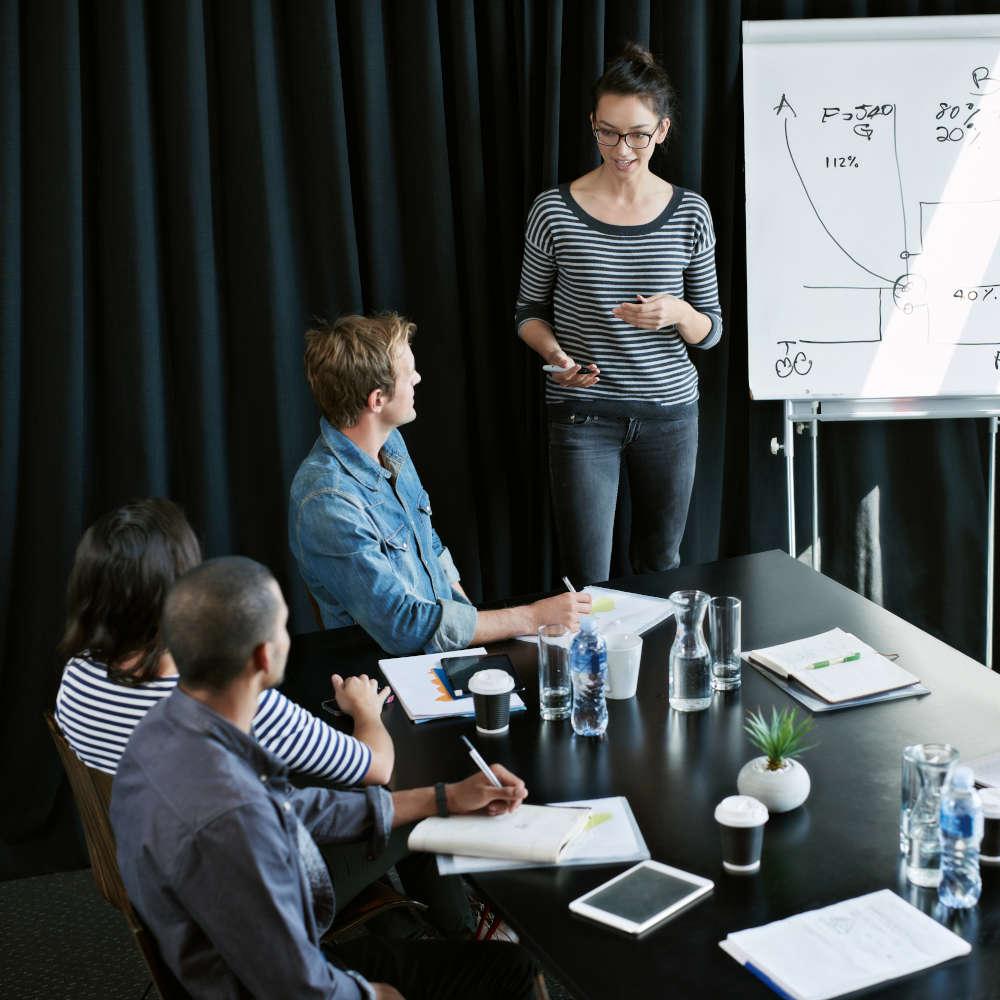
x: 781, y: 790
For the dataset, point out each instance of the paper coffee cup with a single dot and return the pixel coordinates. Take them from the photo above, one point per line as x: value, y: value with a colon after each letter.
x: 989, y: 849
x: 741, y: 820
x: 624, y: 656
x: 491, y: 696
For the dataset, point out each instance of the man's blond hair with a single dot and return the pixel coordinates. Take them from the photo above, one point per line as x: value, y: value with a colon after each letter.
x: 347, y: 360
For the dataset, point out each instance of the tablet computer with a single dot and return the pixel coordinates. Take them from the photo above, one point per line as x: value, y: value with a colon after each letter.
x: 642, y: 897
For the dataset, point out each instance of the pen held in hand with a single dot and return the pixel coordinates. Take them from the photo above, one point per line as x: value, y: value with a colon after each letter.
x: 481, y: 764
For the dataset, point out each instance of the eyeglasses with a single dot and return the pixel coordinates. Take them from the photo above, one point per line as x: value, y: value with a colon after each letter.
x: 634, y: 140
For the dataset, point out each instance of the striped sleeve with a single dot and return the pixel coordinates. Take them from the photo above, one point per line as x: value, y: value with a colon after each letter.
x: 701, y: 287
x: 538, y: 267
x: 306, y: 744
x: 97, y: 715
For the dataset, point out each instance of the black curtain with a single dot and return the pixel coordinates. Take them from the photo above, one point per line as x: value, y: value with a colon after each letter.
x: 185, y: 184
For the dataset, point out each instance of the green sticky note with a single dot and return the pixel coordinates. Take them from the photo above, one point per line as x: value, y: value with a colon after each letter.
x: 602, y: 604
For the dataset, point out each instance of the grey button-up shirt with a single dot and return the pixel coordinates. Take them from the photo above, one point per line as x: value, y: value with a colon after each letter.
x: 209, y: 834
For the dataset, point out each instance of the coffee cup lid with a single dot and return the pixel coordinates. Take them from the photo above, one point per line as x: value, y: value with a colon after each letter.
x: 991, y: 802
x: 741, y: 810
x: 491, y: 682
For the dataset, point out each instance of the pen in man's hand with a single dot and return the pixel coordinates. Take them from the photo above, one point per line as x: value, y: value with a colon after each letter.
x: 481, y: 764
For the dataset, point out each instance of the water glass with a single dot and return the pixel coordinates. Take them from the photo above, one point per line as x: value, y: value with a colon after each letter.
x: 934, y: 762
x: 555, y: 692
x: 725, y: 641
x: 910, y: 787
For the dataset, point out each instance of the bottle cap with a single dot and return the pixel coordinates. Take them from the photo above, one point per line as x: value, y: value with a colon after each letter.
x: 991, y: 802
x: 741, y: 810
x: 962, y: 778
x: 491, y: 682
x: 588, y: 623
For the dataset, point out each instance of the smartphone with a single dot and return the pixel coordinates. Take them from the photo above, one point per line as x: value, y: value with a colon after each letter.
x: 556, y: 370
x: 642, y: 897
x: 456, y: 671
x: 331, y: 706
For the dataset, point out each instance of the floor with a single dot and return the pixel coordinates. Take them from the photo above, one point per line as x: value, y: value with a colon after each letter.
x: 62, y: 941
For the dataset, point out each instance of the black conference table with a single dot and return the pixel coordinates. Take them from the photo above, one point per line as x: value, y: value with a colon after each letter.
x: 675, y: 767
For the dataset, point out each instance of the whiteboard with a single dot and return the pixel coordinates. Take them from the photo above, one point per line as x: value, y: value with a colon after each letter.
x: 873, y: 207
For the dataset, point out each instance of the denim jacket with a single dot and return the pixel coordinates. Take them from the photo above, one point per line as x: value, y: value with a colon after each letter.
x: 363, y: 539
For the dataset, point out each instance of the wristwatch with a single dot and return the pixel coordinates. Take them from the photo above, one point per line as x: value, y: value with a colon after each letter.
x: 441, y: 798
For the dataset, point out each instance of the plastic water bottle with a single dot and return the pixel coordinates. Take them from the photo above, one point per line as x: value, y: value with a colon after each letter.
x: 588, y: 668
x: 961, y: 832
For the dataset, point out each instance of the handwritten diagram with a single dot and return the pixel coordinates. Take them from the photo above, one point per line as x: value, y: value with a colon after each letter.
x: 873, y: 219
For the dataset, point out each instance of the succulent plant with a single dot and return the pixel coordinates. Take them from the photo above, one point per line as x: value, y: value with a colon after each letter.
x: 781, y: 737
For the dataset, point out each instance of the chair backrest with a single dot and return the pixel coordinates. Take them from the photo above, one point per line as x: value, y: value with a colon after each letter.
x: 92, y: 793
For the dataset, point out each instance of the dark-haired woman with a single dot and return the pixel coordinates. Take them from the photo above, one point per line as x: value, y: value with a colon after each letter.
x: 118, y: 670
x: 618, y: 281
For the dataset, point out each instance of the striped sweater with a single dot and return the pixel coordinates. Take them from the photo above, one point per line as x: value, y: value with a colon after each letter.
x: 97, y: 717
x: 576, y: 269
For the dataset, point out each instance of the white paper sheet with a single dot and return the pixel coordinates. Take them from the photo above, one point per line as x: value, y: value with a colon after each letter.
x: 848, y: 946
x: 609, y: 840
x: 633, y: 613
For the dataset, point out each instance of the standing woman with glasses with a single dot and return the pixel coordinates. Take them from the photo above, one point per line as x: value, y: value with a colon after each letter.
x: 618, y: 281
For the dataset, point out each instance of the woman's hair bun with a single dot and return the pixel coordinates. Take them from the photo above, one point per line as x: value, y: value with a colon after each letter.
x: 637, y: 54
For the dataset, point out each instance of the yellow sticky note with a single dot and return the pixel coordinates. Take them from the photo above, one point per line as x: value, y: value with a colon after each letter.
x: 602, y: 604
x: 596, y: 819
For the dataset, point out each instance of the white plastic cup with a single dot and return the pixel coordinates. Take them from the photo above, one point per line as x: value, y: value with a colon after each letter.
x: 624, y: 657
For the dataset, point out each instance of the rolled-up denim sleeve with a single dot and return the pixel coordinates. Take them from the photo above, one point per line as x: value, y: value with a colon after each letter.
x: 340, y: 817
x: 456, y: 628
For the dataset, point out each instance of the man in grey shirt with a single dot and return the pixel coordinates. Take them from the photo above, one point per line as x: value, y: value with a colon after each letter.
x: 218, y: 850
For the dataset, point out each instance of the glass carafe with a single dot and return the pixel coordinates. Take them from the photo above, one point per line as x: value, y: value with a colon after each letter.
x: 934, y: 762
x: 690, y: 663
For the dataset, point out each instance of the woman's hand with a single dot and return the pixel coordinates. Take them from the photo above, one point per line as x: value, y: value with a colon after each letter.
x: 653, y: 312
x: 572, y: 378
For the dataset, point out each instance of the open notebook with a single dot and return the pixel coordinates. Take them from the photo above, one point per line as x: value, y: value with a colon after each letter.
x: 812, y: 662
x: 530, y: 833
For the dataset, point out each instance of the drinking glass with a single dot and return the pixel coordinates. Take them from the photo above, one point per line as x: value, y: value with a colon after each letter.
x: 555, y: 692
x: 725, y: 641
x: 934, y: 762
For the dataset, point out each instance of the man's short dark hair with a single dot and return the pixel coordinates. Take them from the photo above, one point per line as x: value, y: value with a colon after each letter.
x: 215, y: 616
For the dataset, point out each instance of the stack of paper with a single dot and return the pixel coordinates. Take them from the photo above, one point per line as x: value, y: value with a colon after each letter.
x: 848, y: 946
x: 617, y: 611
x: 835, y: 665
x: 422, y: 693
x: 530, y: 833
x: 611, y: 836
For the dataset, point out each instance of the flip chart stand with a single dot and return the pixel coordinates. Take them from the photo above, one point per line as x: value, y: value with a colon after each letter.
x: 800, y: 414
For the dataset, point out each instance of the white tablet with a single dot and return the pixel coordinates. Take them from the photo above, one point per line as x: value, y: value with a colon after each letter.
x: 642, y: 896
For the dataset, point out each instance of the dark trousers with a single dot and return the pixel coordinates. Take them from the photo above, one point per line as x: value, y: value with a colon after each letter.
x: 441, y: 969
x: 447, y: 904
x: 587, y: 454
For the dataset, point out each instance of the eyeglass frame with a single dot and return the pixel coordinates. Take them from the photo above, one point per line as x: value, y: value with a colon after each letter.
x: 624, y: 135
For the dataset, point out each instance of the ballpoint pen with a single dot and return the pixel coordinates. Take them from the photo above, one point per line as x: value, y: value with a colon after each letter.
x: 481, y: 764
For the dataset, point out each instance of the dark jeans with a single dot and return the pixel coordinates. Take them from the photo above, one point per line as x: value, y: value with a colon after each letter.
x: 587, y: 453
x: 447, y: 903
x: 441, y: 969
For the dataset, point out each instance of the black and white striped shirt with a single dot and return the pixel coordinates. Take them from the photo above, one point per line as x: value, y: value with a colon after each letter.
x: 577, y: 269
x: 97, y: 717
